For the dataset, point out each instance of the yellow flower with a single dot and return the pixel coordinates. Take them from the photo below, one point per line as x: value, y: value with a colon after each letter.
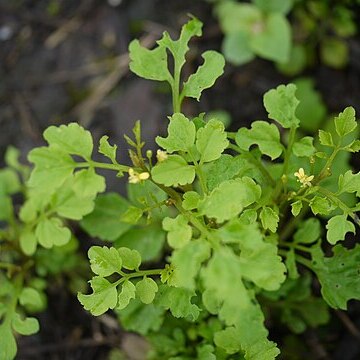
x: 135, y: 177
x: 161, y: 155
x: 303, y: 178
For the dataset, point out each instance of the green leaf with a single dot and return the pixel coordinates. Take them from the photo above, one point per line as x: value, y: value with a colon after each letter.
x: 146, y: 290
x: 325, y: 138
x: 88, y: 183
x: 149, y: 64
x: 334, y: 52
x: 308, y: 231
x: 345, y: 123
x: 273, y: 40
x: 148, y: 241
x: 131, y: 259
x: 104, y: 222
x: 127, y: 293
x: 211, y: 141
x: 230, y: 198
x: 140, y: 318
x: 205, y: 75
x: 349, y: 183
x: 186, y: 262
x: 296, y: 207
x: 132, y: 215
x: 179, y: 47
x: 278, y: 6
x: 338, y: 275
x: 104, y: 261
x: 8, y: 346
x: 179, y: 232
x: 9, y: 181
x: 28, y: 242
x: 281, y: 104
x: 190, y: 200
x: 69, y: 205
x: 72, y: 139
x: 269, y: 218
x: 103, y: 298
x: 263, y: 134
x: 304, y: 147
x: 228, y: 339
x: 178, y: 301
x: 226, y: 168
x: 27, y: 326
x: 353, y: 147
x: 181, y: 134
x: 236, y: 48
x: 173, y: 171
x: 50, y: 232
x: 320, y: 205
x: 311, y: 110
x: 337, y: 227
x: 31, y: 298
x: 52, y: 168
x: 107, y: 150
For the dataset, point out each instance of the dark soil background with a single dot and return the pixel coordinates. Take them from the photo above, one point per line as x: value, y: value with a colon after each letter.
x: 65, y: 61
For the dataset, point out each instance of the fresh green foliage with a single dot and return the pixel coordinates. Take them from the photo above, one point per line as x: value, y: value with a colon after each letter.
x: 290, y: 33
x: 242, y: 231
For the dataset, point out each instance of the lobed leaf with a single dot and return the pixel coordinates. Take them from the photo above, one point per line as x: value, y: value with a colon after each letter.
x: 179, y: 231
x: 337, y: 227
x: 71, y: 139
x: 104, y: 261
x: 345, y: 123
x: 181, y: 134
x: 211, y: 141
x: 263, y: 134
x: 205, y: 75
x: 281, y: 104
x: 146, y: 290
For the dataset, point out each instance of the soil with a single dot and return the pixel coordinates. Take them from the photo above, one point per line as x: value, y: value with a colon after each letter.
x: 68, y: 63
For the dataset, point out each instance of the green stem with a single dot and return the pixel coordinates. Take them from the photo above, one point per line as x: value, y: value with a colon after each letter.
x: 175, y: 87
x: 137, y: 274
x: 290, y: 226
x: 300, y: 259
x: 9, y: 266
x: 116, y: 167
x: 325, y: 172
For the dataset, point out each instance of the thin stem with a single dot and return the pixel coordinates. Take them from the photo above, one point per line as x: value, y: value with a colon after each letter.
x: 136, y: 274
x: 327, y: 167
x: 9, y: 266
x: 175, y: 86
x: 300, y: 259
x: 116, y: 167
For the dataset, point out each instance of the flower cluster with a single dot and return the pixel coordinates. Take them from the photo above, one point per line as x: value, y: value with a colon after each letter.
x: 303, y: 178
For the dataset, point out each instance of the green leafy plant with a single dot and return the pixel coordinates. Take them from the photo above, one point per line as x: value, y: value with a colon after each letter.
x: 26, y: 270
x: 261, y: 28
x: 216, y: 231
